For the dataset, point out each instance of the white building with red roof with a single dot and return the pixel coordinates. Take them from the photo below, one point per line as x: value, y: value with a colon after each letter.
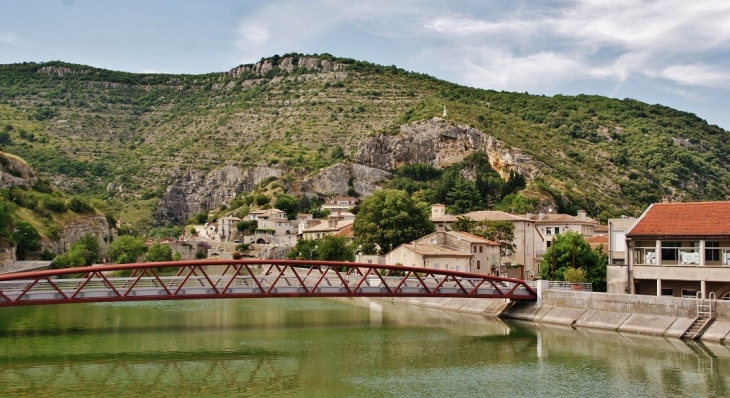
x: 680, y: 249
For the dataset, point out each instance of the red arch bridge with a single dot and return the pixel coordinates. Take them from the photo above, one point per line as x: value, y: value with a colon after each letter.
x: 206, y: 279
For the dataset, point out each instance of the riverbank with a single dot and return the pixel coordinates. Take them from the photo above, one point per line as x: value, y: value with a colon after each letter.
x: 637, y: 314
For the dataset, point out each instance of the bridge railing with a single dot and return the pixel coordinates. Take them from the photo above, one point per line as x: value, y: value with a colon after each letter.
x: 248, y: 278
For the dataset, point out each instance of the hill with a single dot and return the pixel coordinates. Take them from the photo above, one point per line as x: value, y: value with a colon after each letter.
x: 165, y: 147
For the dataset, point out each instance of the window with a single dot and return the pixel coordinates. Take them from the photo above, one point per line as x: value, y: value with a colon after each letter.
x: 479, y: 264
x: 712, y: 251
x: 474, y: 249
x: 481, y: 248
x: 689, y: 293
x: 669, y: 251
x: 548, y: 230
x: 549, y: 243
x: 557, y: 230
x: 726, y: 296
x: 667, y: 292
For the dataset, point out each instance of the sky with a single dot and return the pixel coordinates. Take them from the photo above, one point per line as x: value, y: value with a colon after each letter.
x: 671, y: 52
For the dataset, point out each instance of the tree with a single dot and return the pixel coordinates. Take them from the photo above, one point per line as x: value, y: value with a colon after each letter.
x: 502, y: 232
x: 389, y: 218
x: 126, y: 249
x: 464, y: 224
x: 158, y: 252
x: 7, y: 220
x: 88, y: 246
x: 27, y: 240
x: 288, y: 204
x: 570, y: 250
x: 84, y: 251
x: 305, y: 249
x: 335, y: 248
x: 463, y: 197
x: 4, y: 138
x: 73, y: 258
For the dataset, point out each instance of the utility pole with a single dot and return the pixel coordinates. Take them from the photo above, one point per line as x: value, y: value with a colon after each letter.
x: 552, y: 270
x: 572, y: 246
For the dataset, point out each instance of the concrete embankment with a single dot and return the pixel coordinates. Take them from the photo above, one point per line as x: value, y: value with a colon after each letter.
x: 628, y: 314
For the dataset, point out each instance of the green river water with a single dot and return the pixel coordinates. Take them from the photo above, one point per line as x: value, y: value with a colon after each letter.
x: 333, y: 348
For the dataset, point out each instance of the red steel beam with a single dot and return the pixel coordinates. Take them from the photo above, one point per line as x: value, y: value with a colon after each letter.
x: 195, y: 266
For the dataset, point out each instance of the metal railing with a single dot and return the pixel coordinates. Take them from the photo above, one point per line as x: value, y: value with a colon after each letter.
x: 560, y: 285
x: 282, y: 278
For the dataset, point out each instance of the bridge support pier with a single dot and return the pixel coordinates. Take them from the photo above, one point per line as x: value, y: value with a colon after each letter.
x: 541, y: 287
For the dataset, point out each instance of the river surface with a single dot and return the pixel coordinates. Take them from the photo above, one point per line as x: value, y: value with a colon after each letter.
x: 333, y: 348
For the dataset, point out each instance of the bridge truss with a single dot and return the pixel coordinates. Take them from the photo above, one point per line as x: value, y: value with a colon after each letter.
x: 206, y: 279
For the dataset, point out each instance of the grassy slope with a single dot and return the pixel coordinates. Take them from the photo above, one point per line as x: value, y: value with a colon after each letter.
x: 140, y: 132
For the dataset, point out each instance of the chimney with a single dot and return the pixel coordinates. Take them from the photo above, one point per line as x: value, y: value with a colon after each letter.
x: 540, y: 215
x: 437, y: 210
x: 581, y: 214
x: 529, y: 216
x: 665, y: 199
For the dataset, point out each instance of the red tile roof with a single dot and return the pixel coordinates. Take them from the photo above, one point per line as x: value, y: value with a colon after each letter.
x: 684, y: 219
x: 472, y: 238
x: 600, y: 240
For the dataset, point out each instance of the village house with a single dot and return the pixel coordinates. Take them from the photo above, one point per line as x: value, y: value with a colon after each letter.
x: 528, y: 243
x: 336, y: 223
x: 550, y: 225
x: 339, y: 203
x: 617, y: 271
x: 680, y: 249
x: 272, y: 227
x: 449, y: 250
x: 227, y: 227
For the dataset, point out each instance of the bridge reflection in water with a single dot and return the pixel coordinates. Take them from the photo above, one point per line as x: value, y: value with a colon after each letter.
x: 331, y: 348
x: 281, y: 278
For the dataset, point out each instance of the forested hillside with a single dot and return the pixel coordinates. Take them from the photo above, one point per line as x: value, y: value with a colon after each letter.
x: 125, y: 137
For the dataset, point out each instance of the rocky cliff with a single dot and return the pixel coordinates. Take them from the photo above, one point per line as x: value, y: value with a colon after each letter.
x: 97, y: 226
x: 288, y: 64
x: 339, y: 178
x: 197, y: 191
x: 441, y: 144
x: 15, y: 172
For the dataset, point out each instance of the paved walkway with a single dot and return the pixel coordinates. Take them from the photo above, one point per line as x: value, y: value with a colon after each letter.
x: 22, y: 266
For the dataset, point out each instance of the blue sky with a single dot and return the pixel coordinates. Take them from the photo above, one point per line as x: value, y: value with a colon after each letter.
x: 672, y: 52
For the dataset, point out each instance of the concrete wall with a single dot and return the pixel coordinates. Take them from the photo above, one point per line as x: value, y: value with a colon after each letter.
x: 628, y: 303
x: 617, y: 279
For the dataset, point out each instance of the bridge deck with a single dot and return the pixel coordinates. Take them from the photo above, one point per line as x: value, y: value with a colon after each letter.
x: 241, y: 279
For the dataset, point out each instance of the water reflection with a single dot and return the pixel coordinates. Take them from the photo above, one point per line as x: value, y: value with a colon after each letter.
x: 307, y: 347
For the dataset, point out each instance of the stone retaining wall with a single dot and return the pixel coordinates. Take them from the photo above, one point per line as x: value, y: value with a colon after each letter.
x: 666, y: 316
x: 628, y: 314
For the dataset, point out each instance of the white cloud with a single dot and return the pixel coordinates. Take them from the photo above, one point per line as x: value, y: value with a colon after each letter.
x: 252, y: 34
x: 696, y: 75
x: 287, y: 25
x: 11, y: 38
x: 501, y: 70
x: 597, y: 39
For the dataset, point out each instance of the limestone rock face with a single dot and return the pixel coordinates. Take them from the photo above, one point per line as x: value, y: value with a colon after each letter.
x: 288, y: 64
x: 97, y: 226
x: 440, y: 143
x: 336, y: 179
x: 7, y: 258
x: 197, y: 191
x: 269, y: 252
x: 14, y: 172
x: 61, y: 71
